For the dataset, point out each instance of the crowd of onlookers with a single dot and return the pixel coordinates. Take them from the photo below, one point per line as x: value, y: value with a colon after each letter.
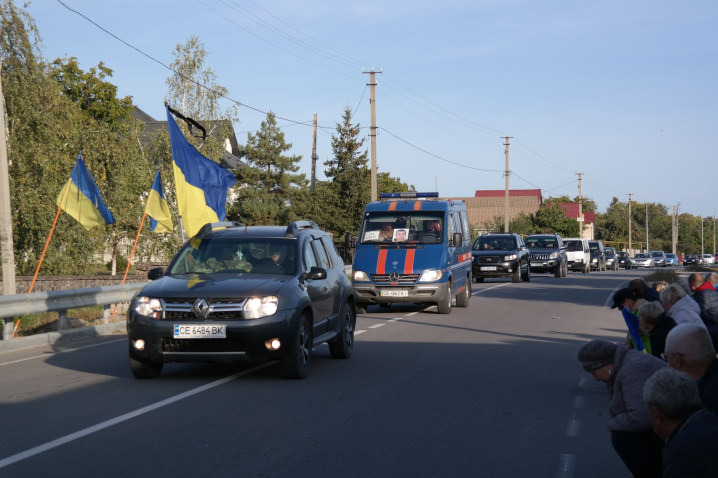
x: 664, y: 398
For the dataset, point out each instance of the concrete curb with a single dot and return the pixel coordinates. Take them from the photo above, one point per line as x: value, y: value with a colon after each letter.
x: 63, y: 336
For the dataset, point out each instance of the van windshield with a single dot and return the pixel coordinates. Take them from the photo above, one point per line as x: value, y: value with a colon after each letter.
x: 573, y: 246
x: 403, y: 226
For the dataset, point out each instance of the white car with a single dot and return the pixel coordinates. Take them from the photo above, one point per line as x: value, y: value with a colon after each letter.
x: 708, y: 259
x: 643, y: 260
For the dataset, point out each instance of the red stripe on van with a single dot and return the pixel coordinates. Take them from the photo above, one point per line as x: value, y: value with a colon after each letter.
x: 409, y: 263
x: 392, y: 206
x: 417, y: 206
x: 381, y: 263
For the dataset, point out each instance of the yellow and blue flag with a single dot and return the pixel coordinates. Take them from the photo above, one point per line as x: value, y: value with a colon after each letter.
x: 201, y: 183
x: 157, y: 208
x: 81, y: 199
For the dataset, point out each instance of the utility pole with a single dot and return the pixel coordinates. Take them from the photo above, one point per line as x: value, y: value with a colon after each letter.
x: 506, y: 176
x: 647, y: 248
x: 580, y: 207
x: 673, y: 230
x: 372, y: 130
x: 6, y: 245
x: 714, y: 236
x: 702, y: 250
x: 314, y: 156
x: 629, y: 225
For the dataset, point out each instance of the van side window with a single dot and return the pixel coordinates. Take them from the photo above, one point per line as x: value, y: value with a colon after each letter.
x: 465, y: 224
x: 321, y: 254
x: 450, y: 225
x: 310, y: 260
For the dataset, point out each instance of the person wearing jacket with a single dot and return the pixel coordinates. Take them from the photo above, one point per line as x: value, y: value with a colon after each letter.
x: 653, y: 319
x: 680, y: 306
x: 705, y: 296
x: 642, y: 290
x: 625, y: 372
x: 690, y: 431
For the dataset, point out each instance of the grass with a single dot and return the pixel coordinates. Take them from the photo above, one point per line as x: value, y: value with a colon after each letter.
x: 668, y: 276
x: 40, y: 323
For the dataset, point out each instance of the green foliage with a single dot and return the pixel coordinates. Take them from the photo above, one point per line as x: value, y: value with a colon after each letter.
x: 270, y: 191
x: 121, y: 264
x: 553, y: 220
x: 522, y: 224
x: 388, y: 184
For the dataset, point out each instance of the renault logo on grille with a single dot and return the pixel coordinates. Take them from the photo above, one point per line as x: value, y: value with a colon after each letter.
x: 394, y: 276
x: 200, y: 308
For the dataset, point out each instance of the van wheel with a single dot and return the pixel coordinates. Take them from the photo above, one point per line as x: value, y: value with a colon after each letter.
x: 462, y: 300
x: 527, y: 276
x: 144, y: 368
x: 444, y: 307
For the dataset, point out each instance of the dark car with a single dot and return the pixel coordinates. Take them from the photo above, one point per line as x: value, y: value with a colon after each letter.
x: 548, y: 254
x: 236, y: 293
x: 611, y: 258
x: 500, y: 255
x: 691, y: 259
x: 624, y: 260
x: 598, y: 256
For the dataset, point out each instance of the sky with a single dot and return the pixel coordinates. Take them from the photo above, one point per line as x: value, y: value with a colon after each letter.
x: 623, y: 92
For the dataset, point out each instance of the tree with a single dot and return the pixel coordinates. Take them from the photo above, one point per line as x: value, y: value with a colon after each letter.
x: 553, y: 220
x: 588, y: 203
x: 270, y: 191
x: 388, y: 184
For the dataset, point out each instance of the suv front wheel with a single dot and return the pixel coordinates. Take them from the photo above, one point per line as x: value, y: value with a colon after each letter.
x: 344, y: 345
x: 296, y: 363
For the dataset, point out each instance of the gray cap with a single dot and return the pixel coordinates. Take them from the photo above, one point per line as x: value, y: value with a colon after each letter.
x: 596, y: 354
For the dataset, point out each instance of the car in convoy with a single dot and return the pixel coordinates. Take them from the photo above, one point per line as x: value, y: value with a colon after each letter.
x: 671, y: 259
x: 501, y: 255
x: 236, y: 293
x: 643, y: 259
x: 548, y: 254
x: 578, y: 254
x: 598, y: 256
x: 624, y: 260
x: 691, y: 259
x: 708, y: 259
x: 413, y: 248
x: 611, y: 258
x: 659, y: 258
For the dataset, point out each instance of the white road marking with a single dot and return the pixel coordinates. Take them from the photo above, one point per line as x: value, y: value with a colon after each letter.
x: 579, y: 401
x: 494, y: 287
x: 61, y: 352
x: 376, y: 325
x: 357, y: 332
x: 127, y: 416
x: 565, y: 466
x: 391, y: 320
x: 410, y: 314
x: 572, y: 428
x: 582, y: 381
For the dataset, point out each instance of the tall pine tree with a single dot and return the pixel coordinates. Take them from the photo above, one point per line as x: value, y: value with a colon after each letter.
x: 269, y: 189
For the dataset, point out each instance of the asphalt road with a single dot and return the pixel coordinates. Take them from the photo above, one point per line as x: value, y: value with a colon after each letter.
x: 493, y: 390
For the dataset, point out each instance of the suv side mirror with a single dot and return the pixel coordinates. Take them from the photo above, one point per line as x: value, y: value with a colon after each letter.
x: 155, y: 273
x: 316, y: 273
x: 457, y: 239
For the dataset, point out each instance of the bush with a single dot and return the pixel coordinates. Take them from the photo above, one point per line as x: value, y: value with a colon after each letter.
x: 121, y: 264
x: 668, y: 276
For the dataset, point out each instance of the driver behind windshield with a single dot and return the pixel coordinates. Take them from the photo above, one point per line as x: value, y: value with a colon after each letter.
x: 227, y: 258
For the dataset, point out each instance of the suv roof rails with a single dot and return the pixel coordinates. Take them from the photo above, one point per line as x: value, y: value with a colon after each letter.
x: 209, y: 227
x: 294, y: 227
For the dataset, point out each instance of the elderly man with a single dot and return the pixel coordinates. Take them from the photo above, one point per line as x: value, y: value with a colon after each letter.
x: 705, y: 296
x: 689, y: 349
x: 712, y: 278
x: 624, y: 372
x: 680, y: 306
x: 654, y: 322
x: 643, y: 291
x: 690, y: 432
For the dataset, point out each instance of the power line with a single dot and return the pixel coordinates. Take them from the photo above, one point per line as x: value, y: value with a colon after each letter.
x: 360, y: 100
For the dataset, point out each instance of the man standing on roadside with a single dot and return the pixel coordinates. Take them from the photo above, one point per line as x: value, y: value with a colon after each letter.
x: 689, y: 349
x: 690, y: 431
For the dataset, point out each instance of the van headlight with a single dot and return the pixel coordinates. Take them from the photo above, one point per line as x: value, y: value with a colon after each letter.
x: 147, y: 307
x: 430, y: 275
x: 360, y: 276
x: 258, y: 307
x: 554, y: 255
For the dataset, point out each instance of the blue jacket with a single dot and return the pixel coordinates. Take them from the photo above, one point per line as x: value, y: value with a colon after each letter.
x: 690, y: 451
x: 708, y: 388
x: 707, y: 300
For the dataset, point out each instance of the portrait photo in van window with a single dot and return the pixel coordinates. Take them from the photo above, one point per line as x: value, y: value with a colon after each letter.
x: 400, y: 235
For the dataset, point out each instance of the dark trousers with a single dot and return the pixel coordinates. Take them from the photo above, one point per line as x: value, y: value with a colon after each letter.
x: 641, y: 452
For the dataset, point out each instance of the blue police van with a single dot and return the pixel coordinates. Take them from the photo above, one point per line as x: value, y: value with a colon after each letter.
x: 413, y: 248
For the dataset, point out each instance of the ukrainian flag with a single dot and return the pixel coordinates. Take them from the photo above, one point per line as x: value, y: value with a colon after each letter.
x: 201, y: 183
x: 157, y: 208
x: 81, y: 199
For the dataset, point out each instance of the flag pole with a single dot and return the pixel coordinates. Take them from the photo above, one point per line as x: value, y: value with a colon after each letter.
x: 42, y: 257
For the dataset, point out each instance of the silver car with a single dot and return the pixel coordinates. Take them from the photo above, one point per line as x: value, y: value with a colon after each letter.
x: 643, y: 259
x: 659, y: 258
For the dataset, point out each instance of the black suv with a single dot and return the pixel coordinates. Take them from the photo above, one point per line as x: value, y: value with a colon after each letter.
x: 548, y: 254
x: 624, y: 260
x: 236, y: 293
x: 501, y: 255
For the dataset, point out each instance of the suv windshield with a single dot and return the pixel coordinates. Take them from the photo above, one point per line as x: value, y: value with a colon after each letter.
x: 609, y: 251
x: 594, y: 247
x: 541, y: 243
x: 403, y: 226
x: 229, y: 255
x: 574, y: 246
x: 657, y: 254
x: 494, y: 243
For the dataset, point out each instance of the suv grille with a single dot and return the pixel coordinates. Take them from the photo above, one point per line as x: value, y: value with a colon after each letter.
x: 407, y: 278
x: 489, y: 259
x: 219, y: 309
x: 539, y: 257
x: 203, y: 345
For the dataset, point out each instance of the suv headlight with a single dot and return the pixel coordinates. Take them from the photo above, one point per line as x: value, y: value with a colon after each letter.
x: 594, y: 259
x: 430, y: 275
x: 258, y: 307
x: 360, y: 276
x: 554, y: 255
x: 510, y: 257
x: 151, y: 308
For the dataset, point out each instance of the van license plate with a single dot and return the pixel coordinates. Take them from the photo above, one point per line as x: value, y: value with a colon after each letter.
x: 196, y: 331
x: 489, y: 268
x: 394, y: 293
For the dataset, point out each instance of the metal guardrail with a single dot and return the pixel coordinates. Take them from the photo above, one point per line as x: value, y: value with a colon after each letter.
x: 63, y: 300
